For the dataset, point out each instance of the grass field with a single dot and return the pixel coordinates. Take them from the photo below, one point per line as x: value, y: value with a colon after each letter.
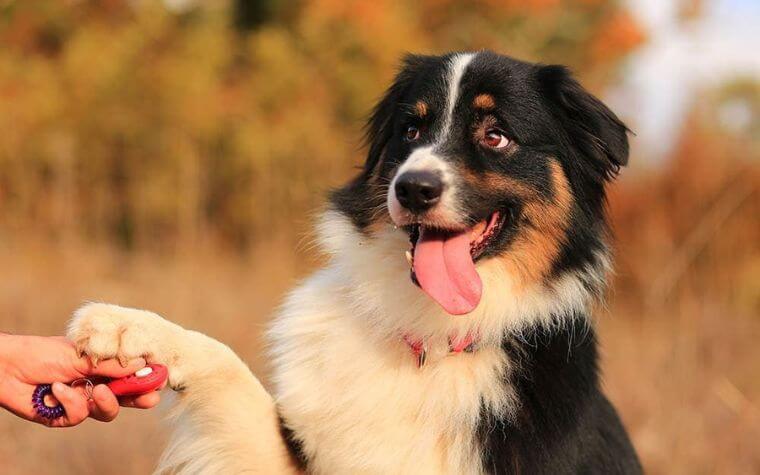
x: 679, y: 346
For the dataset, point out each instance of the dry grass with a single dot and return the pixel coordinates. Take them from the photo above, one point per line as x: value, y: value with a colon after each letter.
x: 684, y: 380
x: 223, y: 296
x: 687, y: 391
x: 681, y: 357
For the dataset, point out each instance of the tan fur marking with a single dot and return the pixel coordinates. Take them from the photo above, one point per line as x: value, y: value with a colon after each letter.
x: 537, y: 246
x: 484, y: 101
x: 421, y: 108
x: 494, y: 181
x: 531, y: 255
x: 515, y: 187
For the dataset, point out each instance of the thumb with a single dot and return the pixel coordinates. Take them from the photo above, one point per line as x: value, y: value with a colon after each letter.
x: 73, y: 402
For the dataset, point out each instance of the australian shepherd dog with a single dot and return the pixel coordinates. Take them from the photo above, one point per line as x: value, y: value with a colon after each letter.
x: 450, y: 329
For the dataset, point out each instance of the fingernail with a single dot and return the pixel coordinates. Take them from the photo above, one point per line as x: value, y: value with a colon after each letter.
x: 138, y: 361
x: 58, y: 387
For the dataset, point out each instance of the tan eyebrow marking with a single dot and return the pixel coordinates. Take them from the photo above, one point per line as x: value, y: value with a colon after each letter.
x: 421, y: 108
x: 484, y: 101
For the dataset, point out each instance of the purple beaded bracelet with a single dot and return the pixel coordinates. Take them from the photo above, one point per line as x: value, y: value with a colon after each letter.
x: 42, y: 409
x: 54, y: 412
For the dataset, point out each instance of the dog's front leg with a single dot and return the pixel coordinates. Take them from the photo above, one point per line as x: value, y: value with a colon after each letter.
x: 224, y: 420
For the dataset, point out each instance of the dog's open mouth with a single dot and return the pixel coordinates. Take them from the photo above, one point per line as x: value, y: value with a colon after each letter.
x: 443, y: 262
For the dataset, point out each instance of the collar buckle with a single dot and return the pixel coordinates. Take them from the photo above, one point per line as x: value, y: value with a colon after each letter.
x: 421, y: 357
x: 468, y: 344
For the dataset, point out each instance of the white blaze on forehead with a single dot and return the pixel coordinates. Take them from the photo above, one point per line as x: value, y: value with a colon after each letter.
x: 427, y: 159
x: 457, y: 67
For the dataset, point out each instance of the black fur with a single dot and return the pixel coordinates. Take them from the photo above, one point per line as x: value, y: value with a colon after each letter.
x: 564, y: 424
x: 294, y: 446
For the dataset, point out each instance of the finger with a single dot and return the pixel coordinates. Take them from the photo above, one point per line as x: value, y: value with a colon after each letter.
x: 113, y: 369
x: 73, y: 402
x: 143, y: 401
x: 104, y: 406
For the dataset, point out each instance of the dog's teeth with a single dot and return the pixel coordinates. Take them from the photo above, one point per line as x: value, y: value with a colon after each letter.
x: 409, y: 257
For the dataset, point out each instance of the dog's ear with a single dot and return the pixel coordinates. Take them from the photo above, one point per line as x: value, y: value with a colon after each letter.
x: 592, y: 128
x: 379, y: 128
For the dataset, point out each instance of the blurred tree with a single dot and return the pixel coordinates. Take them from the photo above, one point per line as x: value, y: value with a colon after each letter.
x: 249, y: 14
x: 683, y: 228
x: 155, y: 123
x: 736, y: 105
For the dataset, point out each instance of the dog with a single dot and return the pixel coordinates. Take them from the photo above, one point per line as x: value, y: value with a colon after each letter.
x: 450, y: 330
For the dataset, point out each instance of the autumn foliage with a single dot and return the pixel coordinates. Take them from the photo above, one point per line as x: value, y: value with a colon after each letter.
x: 131, y: 123
x: 169, y: 155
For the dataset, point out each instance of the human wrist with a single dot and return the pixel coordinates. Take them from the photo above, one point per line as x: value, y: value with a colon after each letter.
x: 8, y: 344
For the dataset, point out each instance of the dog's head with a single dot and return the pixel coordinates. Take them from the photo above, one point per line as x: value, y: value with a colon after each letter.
x: 478, y: 156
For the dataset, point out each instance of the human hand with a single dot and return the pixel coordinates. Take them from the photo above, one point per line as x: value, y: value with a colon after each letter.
x: 26, y: 361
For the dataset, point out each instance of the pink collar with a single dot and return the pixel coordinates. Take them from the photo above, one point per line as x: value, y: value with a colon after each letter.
x: 456, y: 345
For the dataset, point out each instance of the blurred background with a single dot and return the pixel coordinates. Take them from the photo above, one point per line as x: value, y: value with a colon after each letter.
x: 171, y: 155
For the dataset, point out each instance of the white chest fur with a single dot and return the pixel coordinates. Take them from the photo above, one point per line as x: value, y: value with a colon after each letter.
x: 361, y: 405
x: 350, y: 388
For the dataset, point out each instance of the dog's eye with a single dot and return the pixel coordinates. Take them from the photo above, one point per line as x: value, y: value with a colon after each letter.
x: 412, y: 133
x: 495, y: 139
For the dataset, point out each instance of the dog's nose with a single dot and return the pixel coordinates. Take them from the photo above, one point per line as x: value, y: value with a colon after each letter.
x: 418, y: 191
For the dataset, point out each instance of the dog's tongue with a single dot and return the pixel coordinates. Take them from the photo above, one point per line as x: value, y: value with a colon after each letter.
x: 445, y: 270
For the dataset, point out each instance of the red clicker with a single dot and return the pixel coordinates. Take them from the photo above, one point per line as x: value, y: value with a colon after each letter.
x: 145, y: 380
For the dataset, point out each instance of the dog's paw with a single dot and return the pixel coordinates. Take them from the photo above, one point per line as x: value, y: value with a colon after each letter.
x: 103, y: 331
